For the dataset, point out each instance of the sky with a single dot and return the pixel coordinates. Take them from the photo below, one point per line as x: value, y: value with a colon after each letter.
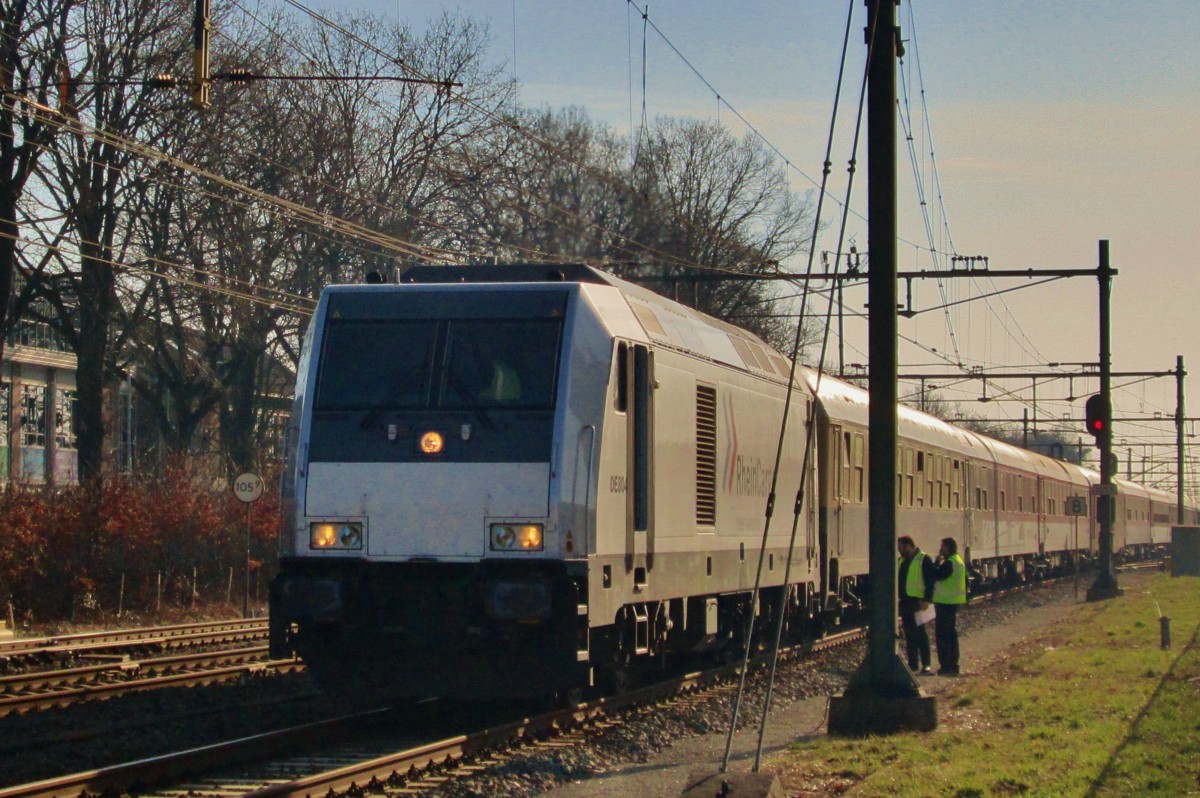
x: 1052, y: 125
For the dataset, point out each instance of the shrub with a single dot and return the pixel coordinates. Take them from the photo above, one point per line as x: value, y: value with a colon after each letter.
x: 131, y: 543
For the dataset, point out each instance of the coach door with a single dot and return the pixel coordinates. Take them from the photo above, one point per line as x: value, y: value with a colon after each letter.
x: 966, y: 479
x: 1042, y: 530
x: 841, y: 474
x: 636, y: 365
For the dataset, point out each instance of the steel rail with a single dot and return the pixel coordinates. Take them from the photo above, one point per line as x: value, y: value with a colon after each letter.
x: 148, y: 635
x: 90, y: 692
x: 46, y: 689
x: 155, y: 770
x: 441, y: 760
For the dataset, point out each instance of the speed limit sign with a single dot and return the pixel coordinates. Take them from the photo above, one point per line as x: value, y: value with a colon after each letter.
x: 248, y: 487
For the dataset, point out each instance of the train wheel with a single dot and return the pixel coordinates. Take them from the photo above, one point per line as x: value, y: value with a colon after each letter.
x: 616, y: 678
x: 571, y: 698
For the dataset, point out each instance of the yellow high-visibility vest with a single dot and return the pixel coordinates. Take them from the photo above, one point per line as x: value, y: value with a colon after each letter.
x: 953, y: 589
x: 914, y: 585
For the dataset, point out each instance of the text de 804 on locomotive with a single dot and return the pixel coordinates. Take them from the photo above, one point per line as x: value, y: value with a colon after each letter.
x: 512, y: 482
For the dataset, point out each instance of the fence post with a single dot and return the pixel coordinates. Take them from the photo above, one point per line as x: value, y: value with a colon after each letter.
x: 229, y: 588
x: 121, y: 597
x: 195, y: 585
x: 158, y: 593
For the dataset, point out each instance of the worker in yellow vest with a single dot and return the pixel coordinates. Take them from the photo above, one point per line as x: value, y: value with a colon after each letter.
x: 949, y: 593
x: 915, y: 580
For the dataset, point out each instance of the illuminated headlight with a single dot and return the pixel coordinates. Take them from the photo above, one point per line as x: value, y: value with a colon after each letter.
x: 335, y: 535
x: 431, y: 442
x: 516, y: 537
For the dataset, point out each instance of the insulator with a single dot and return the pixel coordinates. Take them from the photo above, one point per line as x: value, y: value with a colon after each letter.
x: 239, y: 75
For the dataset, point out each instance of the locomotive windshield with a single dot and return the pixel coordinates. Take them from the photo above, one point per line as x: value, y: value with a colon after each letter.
x: 480, y: 367
x: 369, y: 364
x: 392, y: 364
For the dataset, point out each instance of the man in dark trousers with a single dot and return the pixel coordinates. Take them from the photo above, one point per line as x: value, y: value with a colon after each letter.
x: 949, y: 593
x: 915, y: 585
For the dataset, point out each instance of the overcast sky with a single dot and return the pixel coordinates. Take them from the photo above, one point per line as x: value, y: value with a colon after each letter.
x: 1054, y: 124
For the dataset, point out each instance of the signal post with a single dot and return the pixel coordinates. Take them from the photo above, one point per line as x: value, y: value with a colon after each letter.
x: 883, y: 696
x: 1098, y: 412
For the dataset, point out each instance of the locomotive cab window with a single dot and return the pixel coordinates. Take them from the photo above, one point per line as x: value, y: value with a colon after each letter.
x: 507, y: 363
x: 373, y: 364
x: 622, y: 395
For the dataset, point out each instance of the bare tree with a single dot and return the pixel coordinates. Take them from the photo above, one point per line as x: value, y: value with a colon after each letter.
x: 32, y: 52
x: 548, y: 184
x: 332, y: 179
x: 94, y: 175
x: 707, y: 199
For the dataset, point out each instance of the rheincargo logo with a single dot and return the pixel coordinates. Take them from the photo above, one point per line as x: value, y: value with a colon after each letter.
x: 744, y: 476
x: 751, y: 478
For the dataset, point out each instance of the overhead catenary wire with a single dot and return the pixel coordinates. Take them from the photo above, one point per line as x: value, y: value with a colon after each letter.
x: 932, y: 248
x: 541, y: 142
x: 235, y: 200
x: 251, y: 292
x: 297, y: 210
x: 622, y: 243
x: 809, y: 430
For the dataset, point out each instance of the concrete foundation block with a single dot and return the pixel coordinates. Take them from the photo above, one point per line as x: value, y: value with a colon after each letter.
x: 1185, y: 551
x: 862, y: 714
x: 733, y: 785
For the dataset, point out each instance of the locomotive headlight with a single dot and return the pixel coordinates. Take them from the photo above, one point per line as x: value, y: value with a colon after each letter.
x: 338, y: 535
x: 516, y: 537
x: 431, y: 442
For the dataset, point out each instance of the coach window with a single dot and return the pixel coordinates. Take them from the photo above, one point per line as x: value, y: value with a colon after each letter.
x: 908, y: 474
x: 5, y: 393
x: 846, y: 489
x: 859, y: 469
x: 642, y: 382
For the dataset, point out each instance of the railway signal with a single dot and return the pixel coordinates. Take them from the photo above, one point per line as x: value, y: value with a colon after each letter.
x: 1098, y: 415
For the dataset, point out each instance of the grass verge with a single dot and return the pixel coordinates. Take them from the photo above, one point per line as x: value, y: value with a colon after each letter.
x: 1092, y: 707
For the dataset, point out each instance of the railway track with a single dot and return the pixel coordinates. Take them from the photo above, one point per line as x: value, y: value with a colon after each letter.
x: 315, y: 766
x: 41, y: 690
x: 23, y: 653
x: 405, y: 767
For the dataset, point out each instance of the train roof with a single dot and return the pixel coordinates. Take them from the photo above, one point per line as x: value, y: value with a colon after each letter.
x: 845, y: 400
x: 664, y: 321
x: 509, y: 273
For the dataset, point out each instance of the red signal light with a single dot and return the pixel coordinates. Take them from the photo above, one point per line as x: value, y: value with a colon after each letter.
x: 1098, y: 415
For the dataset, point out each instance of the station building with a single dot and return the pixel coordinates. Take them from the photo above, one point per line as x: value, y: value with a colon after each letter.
x: 37, y: 407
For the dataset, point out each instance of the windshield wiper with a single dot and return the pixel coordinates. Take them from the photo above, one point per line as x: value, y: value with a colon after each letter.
x: 472, y: 404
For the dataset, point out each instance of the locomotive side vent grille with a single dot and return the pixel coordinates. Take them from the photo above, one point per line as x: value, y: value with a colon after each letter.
x: 706, y: 456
